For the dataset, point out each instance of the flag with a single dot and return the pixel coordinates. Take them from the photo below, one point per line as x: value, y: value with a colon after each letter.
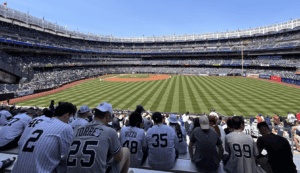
x: 5, y: 3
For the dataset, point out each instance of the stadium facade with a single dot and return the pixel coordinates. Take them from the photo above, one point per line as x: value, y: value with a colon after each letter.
x: 31, y: 46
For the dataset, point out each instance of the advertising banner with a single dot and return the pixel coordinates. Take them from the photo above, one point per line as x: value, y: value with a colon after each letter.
x: 291, y: 81
x: 298, y: 82
x: 276, y: 78
x: 223, y: 74
x: 25, y: 93
x: 265, y: 76
x: 253, y: 75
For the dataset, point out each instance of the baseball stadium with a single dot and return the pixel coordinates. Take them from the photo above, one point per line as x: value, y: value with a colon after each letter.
x: 232, y: 98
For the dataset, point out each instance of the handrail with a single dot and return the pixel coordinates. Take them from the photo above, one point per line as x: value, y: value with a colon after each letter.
x: 31, y: 20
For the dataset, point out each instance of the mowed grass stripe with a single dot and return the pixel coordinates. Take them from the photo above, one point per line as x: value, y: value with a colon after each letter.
x: 201, y: 94
x: 137, y: 95
x: 258, y: 99
x: 198, y: 103
x: 142, y: 96
x: 235, y: 102
x: 182, y: 107
x: 128, y: 92
x: 74, y: 92
x: 169, y: 102
x: 191, y: 95
x: 145, y: 103
x: 215, y: 101
x: 158, y: 99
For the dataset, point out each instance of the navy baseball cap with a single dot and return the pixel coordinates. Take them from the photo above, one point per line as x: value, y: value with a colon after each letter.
x: 157, y: 117
x: 140, y: 107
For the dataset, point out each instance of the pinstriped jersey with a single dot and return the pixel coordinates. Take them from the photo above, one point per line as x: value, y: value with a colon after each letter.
x: 43, y: 147
x: 4, y: 114
x: 134, y: 138
x: 242, y: 150
x: 78, y: 122
x: 35, y: 122
x: 181, y: 146
x: 247, y: 129
x: 13, y: 128
x: 89, y: 148
x: 161, y: 140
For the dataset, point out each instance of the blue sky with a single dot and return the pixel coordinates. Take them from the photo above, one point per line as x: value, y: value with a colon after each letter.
x: 135, y: 18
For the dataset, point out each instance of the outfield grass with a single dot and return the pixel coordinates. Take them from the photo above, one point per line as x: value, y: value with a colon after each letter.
x: 227, y: 95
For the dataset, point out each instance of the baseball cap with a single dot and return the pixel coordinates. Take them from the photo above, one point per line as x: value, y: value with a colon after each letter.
x: 140, y: 107
x: 83, y: 109
x: 105, y: 107
x: 259, y: 115
x: 157, y: 117
x: 204, y: 123
x: 173, y: 118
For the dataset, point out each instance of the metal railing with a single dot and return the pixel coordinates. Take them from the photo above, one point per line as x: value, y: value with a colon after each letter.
x: 9, y: 13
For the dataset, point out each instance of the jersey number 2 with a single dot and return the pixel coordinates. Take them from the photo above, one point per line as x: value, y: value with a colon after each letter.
x: 85, y: 151
x: 33, y: 139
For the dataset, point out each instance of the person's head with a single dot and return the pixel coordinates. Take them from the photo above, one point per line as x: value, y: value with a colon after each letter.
x: 212, y: 119
x: 174, y: 123
x: 267, y: 116
x: 83, y: 111
x: 47, y: 113
x: 117, y: 115
x: 65, y: 111
x: 238, y: 123
x: 139, y: 109
x: 157, y: 117
x: 30, y: 112
x: 52, y: 102
x: 204, y: 123
x: 250, y: 115
x: 263, y: 128
x: 187, y: 113
x: 135, y: 120
x: 196, y: 123
x: 104, y: 112
x: 39, y: 112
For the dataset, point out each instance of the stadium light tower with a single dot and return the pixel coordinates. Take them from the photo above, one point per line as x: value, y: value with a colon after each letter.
x: 243, y: 56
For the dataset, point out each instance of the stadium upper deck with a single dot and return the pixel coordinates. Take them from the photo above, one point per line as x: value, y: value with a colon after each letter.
x: 25, y: 30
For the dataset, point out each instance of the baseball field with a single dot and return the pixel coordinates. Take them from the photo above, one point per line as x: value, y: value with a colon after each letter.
x: 227, y: 95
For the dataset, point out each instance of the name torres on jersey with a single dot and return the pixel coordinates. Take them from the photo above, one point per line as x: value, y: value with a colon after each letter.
x: 88, y: 131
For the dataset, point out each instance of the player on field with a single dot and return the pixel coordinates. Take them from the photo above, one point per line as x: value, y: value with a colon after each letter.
x: 241, y: 148
x: 93, y: 142
x: 181, y: 134
x: 161, y: 141
x: 82, y: 115
x: 133, y: 137
x: 5, y: 115
x: 49, y: 140
x: 13, y: 129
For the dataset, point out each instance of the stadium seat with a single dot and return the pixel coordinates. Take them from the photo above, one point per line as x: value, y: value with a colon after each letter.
x: 181, y: 165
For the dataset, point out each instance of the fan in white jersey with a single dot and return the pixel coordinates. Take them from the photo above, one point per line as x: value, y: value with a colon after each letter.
x: 247, y: 128
x: 161, y: 141
x: 181, y: 134
x: 47, y: 114
x: 241, y: 148
x: 5, y: 116
x: 92, y: 143
x: 82, y: 115
x: 47, y: 142
x: 12, y: 130
x: 134, y: 138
